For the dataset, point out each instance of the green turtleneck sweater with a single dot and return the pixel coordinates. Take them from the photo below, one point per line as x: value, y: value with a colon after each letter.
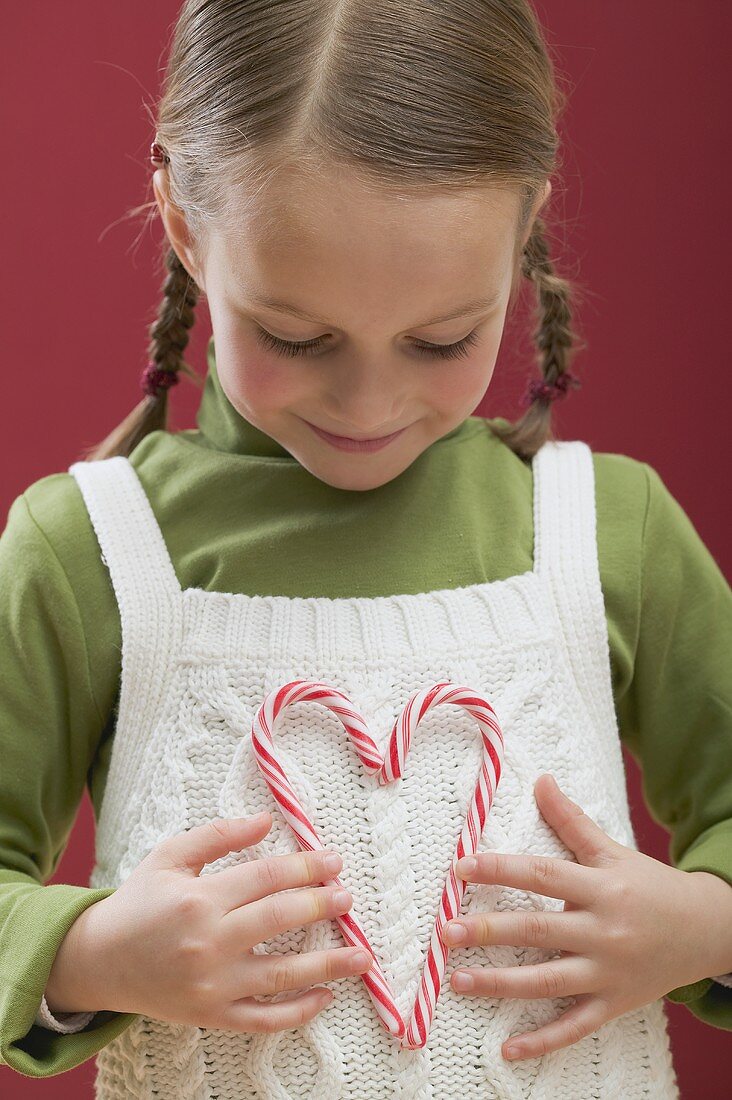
x: 240, y: 514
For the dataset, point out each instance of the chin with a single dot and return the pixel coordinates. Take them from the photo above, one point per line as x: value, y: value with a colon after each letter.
x: 353, y: 480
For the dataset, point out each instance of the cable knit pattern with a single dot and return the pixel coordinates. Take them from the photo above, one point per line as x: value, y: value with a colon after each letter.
x: 195, y: 667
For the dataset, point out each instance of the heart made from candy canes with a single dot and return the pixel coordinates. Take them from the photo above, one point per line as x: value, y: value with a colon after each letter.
x: 387, y: 770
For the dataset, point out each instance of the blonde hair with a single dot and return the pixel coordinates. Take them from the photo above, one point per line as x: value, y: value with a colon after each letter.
x: 408, y: 94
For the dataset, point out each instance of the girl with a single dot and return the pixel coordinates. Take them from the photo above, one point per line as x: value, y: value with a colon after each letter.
x: 356, y: 190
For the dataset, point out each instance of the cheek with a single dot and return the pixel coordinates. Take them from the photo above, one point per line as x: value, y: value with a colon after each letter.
x: 255, y: 380
x: 460, y: 380
x: 264, y: 383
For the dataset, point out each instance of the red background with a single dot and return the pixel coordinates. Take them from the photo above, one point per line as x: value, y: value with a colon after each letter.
x: 640, y: 218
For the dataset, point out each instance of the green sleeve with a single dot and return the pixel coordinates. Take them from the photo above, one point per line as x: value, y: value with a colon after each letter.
x: 49, y: 729
x: 676, y: 715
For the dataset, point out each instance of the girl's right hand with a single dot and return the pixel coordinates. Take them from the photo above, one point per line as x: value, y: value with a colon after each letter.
x: 177, y: 945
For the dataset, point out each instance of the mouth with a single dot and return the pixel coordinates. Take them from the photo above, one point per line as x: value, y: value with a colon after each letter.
x: 347, y: 443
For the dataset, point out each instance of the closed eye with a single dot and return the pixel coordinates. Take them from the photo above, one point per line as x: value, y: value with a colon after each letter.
x: 308, y: 347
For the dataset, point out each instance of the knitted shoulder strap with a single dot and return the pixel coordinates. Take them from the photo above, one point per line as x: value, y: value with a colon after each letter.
x: 130, y: 538
x: 148, y: 593
x: 566, y: 557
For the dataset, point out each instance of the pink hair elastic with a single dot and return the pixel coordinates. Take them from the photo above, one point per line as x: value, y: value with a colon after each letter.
x: 153, y: 379
x: 550, y: 391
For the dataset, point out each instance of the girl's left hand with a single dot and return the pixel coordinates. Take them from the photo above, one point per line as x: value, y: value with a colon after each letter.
x: 623, y: 936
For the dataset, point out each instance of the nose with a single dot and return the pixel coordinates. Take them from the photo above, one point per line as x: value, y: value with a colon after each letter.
x: 367, y: 407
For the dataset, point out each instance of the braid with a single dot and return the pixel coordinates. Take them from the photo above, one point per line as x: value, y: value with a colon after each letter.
x: 556, y: 341
x: 169, y: 336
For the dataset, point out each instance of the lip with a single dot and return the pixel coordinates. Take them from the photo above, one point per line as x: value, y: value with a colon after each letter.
x: 345, y: 443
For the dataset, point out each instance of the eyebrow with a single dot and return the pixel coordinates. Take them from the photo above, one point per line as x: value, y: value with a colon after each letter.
x: 459, y: 311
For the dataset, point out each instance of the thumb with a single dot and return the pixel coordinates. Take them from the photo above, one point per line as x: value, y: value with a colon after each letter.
x: 583, y: 836
x: 190, y: 850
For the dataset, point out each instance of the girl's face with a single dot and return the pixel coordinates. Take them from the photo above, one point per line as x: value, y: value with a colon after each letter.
x: 367, y: 280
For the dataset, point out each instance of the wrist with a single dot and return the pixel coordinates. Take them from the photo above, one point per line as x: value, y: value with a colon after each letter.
x: 713, y: 895
x: 74, y: 982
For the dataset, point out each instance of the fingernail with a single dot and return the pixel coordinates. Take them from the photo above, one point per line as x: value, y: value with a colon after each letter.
x: 466, y: 865
x: 341, y: 898
x: 463, y: 981
x: 512, y: 1051
x: 360, y: 958
x: 455, y: 932
x: 332, y: 862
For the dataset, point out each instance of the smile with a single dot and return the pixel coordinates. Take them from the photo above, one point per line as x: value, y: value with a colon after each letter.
x: 345, y: 443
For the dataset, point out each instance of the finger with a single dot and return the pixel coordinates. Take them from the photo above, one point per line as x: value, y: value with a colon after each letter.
x: 272, y: 974
x: 565, y: 931
x: 191, y: 850
x: 564, y: 977
x: 586, y: 1015
x: 580, y: 833
x: 247, y: 882
x: 248, y: 1015
x: 261, y: 920
x: 556, y: 878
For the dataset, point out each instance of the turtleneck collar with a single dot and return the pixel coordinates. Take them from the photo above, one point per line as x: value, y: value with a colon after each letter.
x: 225, y: 429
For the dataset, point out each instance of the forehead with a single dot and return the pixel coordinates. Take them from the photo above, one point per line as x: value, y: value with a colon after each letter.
x: 334, y: 235
x: 341, y: 209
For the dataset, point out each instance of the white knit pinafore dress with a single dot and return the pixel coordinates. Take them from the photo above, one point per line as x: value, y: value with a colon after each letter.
x: 195, y: 667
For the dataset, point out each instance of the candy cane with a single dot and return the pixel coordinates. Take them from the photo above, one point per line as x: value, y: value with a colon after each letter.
x: 387, y: 770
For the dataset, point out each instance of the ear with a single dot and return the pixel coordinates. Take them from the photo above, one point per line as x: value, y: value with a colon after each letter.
x: 176, y: 227
x: 540, y: 202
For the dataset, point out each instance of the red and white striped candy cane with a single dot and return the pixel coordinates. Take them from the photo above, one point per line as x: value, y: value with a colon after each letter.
x: 387, y: 770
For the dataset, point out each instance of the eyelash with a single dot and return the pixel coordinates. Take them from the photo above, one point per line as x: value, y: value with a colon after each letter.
x: 306, y: 347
